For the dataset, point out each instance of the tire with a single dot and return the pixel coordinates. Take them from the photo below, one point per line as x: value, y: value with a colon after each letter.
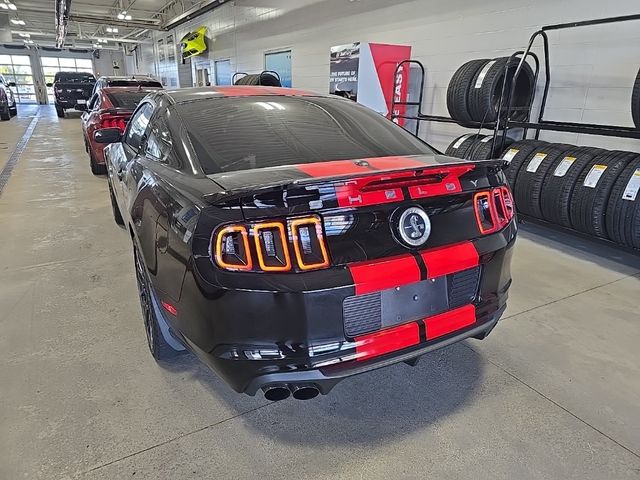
x: 461, y: 146
x: 560, y: 181
x: 13, y: 111
x: 264, y: 78
x: 531, y: 177
x: 484, y: 149
x: 588, y: 206
x: 5, y: 114
x: 158, y: 346
x: 515, y: 155
x: 60, y: 111
x: 96, y: 168
x: 635, y: 101
x: 485, y: 91
x: 623, y: 214
x: 117, y: 216
x: 458, y: 90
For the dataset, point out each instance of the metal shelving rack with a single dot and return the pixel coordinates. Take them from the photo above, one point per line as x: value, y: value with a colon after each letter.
x: 505, y: 122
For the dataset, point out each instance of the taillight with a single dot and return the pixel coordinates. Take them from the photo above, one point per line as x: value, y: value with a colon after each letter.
x: 494, y: 209
x: 232, y: 248
x: 272, y: 246
x: 308, y: 243
x: 113, y: 122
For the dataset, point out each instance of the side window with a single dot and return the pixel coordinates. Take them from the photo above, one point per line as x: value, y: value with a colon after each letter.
x: 159, y: 142
x: 93, y: 103
x: 138, y: 126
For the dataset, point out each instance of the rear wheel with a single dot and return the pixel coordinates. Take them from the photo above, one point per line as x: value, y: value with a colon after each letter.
x: 158, y: 346
x: 96, y: 168
x: 60, y: 111
x: 5, y: 114
x: 13, y: 111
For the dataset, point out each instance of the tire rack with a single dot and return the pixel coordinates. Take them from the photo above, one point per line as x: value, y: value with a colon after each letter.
x: 504, y: 123
x: 501, y: 126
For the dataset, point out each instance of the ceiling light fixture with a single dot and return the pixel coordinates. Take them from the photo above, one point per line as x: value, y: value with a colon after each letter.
x: 112, y: 30
x: 12, y: 7
x: 24, y: 35
x: 4, y: 6
x: 124, y: 15
x: 16, y: 21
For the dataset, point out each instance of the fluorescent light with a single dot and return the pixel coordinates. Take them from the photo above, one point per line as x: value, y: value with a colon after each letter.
x: 4, y: 6
x: 112, y: 30
x: 17, y: 22
x: 127, y: 17
x: 24, y: 35
x: 12, y: 7
x: 120, y: 16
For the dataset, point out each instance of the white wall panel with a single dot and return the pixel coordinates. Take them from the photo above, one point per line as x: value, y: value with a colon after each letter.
x: 592, y: 67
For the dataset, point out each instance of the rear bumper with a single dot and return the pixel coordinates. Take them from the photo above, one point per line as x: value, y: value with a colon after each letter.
x: 255, y: 339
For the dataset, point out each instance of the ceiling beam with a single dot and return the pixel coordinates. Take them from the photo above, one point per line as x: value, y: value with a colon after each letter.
x: 101, y: 20
x: 62, y: 16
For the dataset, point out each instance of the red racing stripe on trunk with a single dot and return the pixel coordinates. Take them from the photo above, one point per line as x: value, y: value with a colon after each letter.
x: 391, y: 163
x: 377, y: 275
x: 332, y: 169
x: 450, y: 259
x: 387, y: 341
x: 448, y: 322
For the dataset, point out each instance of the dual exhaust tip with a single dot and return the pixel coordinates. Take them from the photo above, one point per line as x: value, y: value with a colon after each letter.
x: 275, y: 393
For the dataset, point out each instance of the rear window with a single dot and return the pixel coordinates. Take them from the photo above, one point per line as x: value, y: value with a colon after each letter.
x: 241, y: 133
x: 134, y: 83
x: 127, y: 100
x: 74, y: 77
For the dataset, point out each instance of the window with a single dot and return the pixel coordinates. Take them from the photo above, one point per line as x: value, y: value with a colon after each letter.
x: 159, y: 143
x: 126, y: 99
x: 223, y: 72
x: 138, y: 124
x: 17, y: 68
x: 171, y: 49
x: 160, y: 50
x: 279, y: 62
x: 240, y: 133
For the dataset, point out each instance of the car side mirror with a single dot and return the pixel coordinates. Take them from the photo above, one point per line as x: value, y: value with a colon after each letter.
x: 12, y: 84
x: 107, y: 135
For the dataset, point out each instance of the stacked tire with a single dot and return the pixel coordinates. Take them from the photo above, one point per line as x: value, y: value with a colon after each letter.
x: 635, y: 101
x: 474, y: 92
x: 265, y: 79
x: 591, y: 190
x: 476, y: 147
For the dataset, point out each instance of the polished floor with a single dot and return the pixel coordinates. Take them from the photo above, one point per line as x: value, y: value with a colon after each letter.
x: 553, y: 393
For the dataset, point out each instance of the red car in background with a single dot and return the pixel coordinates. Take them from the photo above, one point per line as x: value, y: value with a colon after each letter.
x: 108, y: 108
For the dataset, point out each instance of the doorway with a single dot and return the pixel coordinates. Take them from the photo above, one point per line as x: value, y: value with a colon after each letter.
x: 279, y: 62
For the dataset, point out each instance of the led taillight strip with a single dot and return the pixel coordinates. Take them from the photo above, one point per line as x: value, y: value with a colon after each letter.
x: 295, y: 229
x: 498, y: 221
x: 242, y: 230
x: 281, y: 243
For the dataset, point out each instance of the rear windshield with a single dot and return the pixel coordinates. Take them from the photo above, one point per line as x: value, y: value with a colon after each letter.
x: 241, y: 133
x: 74, y: 77
x: 127, y: 100
x: 134, y: 83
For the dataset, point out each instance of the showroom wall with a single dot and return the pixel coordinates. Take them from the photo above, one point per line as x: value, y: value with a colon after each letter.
x: 593, y: 68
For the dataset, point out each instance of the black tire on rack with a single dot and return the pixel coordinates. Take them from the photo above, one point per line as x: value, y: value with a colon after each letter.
x: 458, y: 90
x: 531, y: 176
x: 591, y: 192
x: 515, y: 155
x: 623, y: 209
x: 484, y: 148
x: 635, y: 101
x: 462, y: 145
x: 264, y: 78
x: 486, y: 88
x: 559, y: 183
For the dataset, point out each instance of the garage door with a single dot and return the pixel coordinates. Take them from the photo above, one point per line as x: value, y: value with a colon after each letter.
x: 53, y: 65
x: 17, y: 68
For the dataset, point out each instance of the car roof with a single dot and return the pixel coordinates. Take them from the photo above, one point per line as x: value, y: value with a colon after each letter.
x: 199, y: 93
x: 128, y: 77
x: 129, y: 89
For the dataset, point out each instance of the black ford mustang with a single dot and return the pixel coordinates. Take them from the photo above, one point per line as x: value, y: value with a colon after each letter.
x: 291, y: 239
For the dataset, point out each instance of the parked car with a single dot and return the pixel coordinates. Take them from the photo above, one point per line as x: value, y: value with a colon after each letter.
x: 8, y: 106
x: 291, y: 240
x: 130, y: 81
x: 110, y: 107
x: 72, y: 90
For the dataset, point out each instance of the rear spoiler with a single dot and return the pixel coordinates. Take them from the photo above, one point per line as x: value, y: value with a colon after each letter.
x: 231, y: 195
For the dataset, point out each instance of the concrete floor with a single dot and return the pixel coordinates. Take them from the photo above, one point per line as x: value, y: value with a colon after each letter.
x: 553, y: 393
